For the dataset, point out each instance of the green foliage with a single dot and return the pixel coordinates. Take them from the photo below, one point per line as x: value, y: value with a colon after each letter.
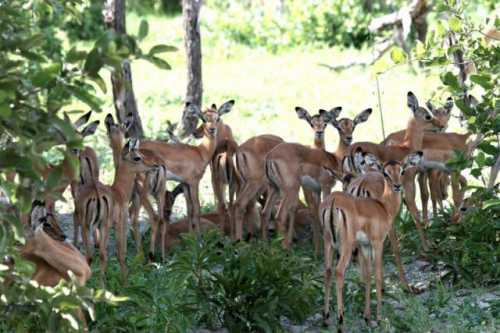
x: 39, y: 79
x: 245, y: 287
x: 27, y: 307
x: 91, y: 24
x: 343, y: 22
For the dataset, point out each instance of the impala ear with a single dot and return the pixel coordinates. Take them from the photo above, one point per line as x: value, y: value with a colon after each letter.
x: 362, y: 117
x: 325, y: 115
x: 412, y: 101
x: 335, y: 112
x: 414, y: 159
x: 430, y: 106
x: 193, y: 110
x: 448, y: 105
x: 90, y: 128
x: 328, y: 171
x: 226, y: 107
x: 303, y: 114
x: 347, y: 166
x: 82, y: 120
x: 109, y: 121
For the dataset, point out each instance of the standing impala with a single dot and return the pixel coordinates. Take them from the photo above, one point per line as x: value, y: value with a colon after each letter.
x: 349, y: 222
x: 102, y: 206
x: 221, y: 165
x: 186, y: 164
x: 412, y: 142
x: 290, y: 166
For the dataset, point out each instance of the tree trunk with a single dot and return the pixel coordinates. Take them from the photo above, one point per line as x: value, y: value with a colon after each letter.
x: 192, y: 42
x: 123, y: 92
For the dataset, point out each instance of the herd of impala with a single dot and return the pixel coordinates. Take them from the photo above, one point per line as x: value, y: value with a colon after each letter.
x: 267, y: 170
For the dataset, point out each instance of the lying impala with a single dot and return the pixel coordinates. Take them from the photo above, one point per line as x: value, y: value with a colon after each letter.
x: 47, y: 247
x: 186, y: 164
x: 290, y: 166
x: 349, y: 222
x: 100, y: 206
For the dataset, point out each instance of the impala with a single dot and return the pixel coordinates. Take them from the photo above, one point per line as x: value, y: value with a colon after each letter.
x: 186, y: 164
x: 290, y: 166
x: 101, y: 206
x: 349, y: 222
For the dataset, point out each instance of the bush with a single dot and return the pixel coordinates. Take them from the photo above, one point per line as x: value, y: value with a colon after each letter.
x: 343, y: 22
x: 244, y: 287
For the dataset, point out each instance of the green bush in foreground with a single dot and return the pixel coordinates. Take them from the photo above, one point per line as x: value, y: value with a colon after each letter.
x: 244, y: 286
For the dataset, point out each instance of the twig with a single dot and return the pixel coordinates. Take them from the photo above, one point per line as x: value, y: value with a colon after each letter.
x: 380, y: 106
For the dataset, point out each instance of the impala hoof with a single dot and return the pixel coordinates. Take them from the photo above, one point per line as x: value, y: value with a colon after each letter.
x: 327, y: 320
x: 151, y: 257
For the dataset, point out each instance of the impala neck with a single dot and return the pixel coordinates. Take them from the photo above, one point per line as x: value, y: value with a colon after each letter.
x: 123, y: 183
x: 116, y: 147
x: 207, y: 147
x: 341, y: 149
x: 319, y: 140
x: 391, y: 200
x: 414, y: 135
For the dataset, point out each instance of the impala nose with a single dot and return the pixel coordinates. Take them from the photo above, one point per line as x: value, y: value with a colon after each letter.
x: 348, y: 139
x: 212, y: 131
x: 397, y: 187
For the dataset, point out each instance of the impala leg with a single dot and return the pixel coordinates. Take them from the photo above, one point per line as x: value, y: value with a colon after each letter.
x: 393, y: 238
x: 345, y: 258
x: 217, y: 185
x: 85, y: 239
x: 160, y: 199
x: 241, y: 206
x: 409, y: 192
x: 379, y: 275
x: 121, y: 243
x: 328, y: 278
x: 76, y: 227
x: 195, y: 200
x: 189, y: 206
x: 291, y: 213
x: 155, y: 224
x: 365, y: 267
x: 312, y: 200
x: 271, y: 199
x: 434, y: 187
x: 103, y: 247
x: 424, y: 195
x: 458, y: 183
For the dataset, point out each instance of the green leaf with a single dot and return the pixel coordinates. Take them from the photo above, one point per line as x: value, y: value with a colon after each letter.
x: 143, y: 30
x: 398, y: 55
x: 492, y: 203
x: 74, y: 55
x: 483, y: 80
x: 450, y: 80
x: 455, y: 24
x: 160, y: 63
x: 5, y: 111
x: 99, y: 81
x: 93, y: 63
x: 161, y: 48
x: 46, y: 75
x: 419, y: 50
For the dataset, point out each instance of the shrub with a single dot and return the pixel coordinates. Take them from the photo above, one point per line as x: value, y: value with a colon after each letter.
x: 244, y: 287
x: 91, y: 23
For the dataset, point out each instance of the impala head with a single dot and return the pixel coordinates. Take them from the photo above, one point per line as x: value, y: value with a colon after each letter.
x: 116, y: 131
x: 393, y: 171
x: 317, y: 122
x: 364, y: 162
x: 346, y: 126
x: 41, y: 219
x: 134, y: 158
x: 420, y: 114
x: 467, y: 205
x: 441, y: 115
x: 85, y: 131
x: 211, y: 117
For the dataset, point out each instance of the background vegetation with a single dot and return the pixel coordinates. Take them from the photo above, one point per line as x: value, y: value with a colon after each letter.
x: 269, y: 64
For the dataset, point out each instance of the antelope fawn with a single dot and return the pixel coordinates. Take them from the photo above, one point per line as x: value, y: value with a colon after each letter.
x: 350, y: 222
